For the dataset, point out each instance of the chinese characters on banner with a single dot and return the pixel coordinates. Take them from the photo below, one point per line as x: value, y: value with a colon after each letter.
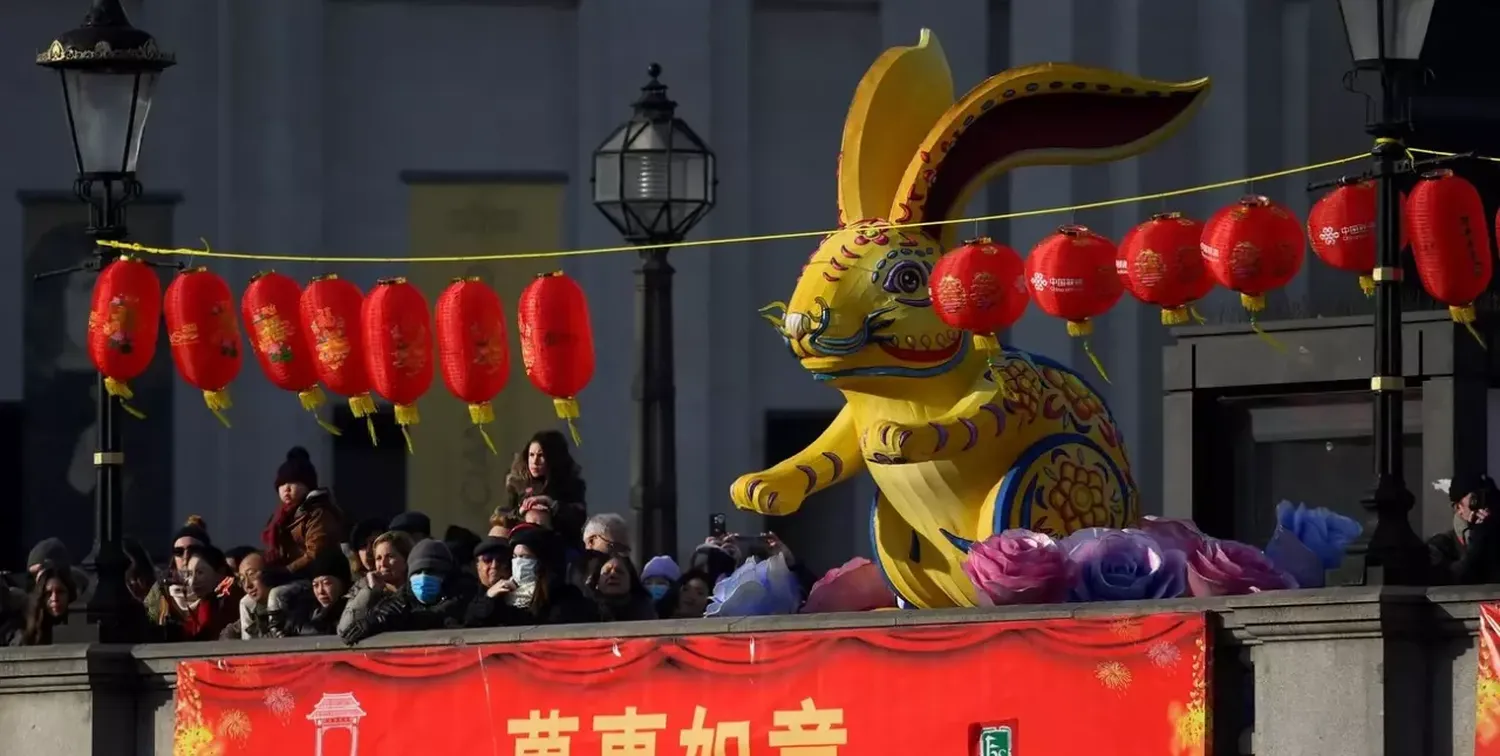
x: 1128, y: 686
x: 1487, y: 695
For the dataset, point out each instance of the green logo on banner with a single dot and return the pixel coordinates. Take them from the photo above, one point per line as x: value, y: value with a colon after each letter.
x: 995, y: 741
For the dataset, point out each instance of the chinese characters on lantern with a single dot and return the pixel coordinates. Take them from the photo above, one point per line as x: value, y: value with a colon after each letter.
x: 804, y: 731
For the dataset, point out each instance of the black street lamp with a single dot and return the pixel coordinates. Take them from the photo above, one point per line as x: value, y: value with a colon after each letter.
x: 108, y: 70
x: 1385, y: 37
x: 654, y: 180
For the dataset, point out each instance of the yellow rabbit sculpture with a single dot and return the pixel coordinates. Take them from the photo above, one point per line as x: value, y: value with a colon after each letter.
x: 956, y: 457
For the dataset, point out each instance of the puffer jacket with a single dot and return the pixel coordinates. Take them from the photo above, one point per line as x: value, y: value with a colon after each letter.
x: 401, y: 611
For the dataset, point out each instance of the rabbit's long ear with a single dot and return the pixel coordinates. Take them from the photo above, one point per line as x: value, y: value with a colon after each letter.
x: 1049, y: 114
x: 897, y: 102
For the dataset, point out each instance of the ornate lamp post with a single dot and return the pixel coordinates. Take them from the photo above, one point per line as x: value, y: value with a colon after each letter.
x: 654, y: 180
x: 108, y: 71
x: 1385, y: 37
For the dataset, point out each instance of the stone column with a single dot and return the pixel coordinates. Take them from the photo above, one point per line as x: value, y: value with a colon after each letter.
x: 263, y: 174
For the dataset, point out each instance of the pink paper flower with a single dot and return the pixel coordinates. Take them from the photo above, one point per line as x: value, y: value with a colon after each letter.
x: 1230, y: 568
x: 1019, y: 567
x: 857, y: 586
x: 1174, y: 535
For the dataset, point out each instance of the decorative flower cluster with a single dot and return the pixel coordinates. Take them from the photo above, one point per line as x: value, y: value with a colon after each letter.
x: 1163, y: 558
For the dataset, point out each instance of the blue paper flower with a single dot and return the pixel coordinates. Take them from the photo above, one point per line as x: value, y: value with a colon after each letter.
x: 1124, y: 565
x: 1324, y: 532
x: 757, y: 588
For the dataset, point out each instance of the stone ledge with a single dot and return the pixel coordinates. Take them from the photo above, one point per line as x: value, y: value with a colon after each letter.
x: 1320, y: 614
x: 71, y: 668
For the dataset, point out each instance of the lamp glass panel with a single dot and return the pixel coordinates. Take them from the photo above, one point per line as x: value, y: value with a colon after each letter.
x: 108, y: 114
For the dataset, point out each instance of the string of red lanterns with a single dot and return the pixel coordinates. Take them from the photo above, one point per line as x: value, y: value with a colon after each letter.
x: 357, y: 345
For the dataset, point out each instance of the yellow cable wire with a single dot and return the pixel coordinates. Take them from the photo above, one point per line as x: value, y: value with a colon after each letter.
x: 184, y: 251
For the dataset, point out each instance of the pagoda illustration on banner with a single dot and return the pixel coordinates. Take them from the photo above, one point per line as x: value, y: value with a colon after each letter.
x: 337, y: 711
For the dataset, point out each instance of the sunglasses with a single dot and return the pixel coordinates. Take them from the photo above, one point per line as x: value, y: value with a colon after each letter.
x: 180, y: 551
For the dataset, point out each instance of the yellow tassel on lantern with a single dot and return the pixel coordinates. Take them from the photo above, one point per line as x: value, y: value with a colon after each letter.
x: 1255, y: 304
x: 1175, y: 316
x: 1082, y: 329
x: 1467, y: 315
x: 481, y: 415
x: 1367, y: 285
x: 567, y: 409
x: 406, y: 415
x: 122, y: 392
x: 989, y: 343
x: 312, y: 399
x: 1198, y: 316
x: 363, y: 405
x: 217, y: 402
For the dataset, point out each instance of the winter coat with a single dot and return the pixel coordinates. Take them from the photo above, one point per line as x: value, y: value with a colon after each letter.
x: 324, y: 620
x: 566, y: 605
x: 633, y: 607
x: 402, y: 612
x: 316, y: 524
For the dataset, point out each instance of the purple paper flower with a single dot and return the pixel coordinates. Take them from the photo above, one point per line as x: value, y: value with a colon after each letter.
x: 1174, y: 535
x: 1123, y: 565
x: 1230, y: 568
x: 1019, y: 567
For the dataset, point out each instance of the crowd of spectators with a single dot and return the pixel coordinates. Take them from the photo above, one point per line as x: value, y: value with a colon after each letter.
x: 543, y: 560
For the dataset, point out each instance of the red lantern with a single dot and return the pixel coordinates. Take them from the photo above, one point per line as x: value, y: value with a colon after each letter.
x: 1252, y: 247
x: 331, y: 310
x: 472, y: 348
x: 124, y: 321
x: 205, y: 336
x: 1072, y: 276
x: 398, y: 347
x: 557, y: 342
x: 272, y: 309
x: 1160, y: 264
x: 1341, y: 230
x: 1450, y: 241
x: 980, y: 287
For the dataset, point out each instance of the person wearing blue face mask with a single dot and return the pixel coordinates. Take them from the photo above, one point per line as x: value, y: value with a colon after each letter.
x: 436, y: 596
x: 658, y: 576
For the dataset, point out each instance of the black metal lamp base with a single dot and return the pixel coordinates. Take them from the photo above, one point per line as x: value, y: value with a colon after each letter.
x: 111, y: 615
x: 1394, y: 554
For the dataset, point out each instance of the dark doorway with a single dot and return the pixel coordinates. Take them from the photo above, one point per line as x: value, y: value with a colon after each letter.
x: 370, y: 479
x: 13, y: 546
x: 828, y: 529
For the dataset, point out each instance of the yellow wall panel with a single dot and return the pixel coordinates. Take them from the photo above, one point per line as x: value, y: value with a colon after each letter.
x: 453, y: 477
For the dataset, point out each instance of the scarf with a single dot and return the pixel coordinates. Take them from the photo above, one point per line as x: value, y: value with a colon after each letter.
x: 278, y: 524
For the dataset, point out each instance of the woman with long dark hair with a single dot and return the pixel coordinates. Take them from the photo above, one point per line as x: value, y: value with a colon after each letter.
x: 615, y: 587
x: 546, y: 468
x: 47, y: 607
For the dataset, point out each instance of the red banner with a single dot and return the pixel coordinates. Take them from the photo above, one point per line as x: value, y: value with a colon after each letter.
x: 1122, y: 686
x: 1487, y: 694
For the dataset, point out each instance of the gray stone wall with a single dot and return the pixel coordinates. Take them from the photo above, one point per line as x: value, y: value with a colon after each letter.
x: 1332, y: 672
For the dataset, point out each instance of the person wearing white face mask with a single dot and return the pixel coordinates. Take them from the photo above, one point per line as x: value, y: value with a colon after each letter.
x: 536, y: 593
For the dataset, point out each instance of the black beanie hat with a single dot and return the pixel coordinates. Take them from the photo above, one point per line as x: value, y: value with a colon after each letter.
x: 542, y: 542
x: 429, y: 556
x: 195, y: 529
x: 50, y: 553
x: 298, y: 468
x: 365, y: 531
x: 412, y: 523
x: 330, y: 563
